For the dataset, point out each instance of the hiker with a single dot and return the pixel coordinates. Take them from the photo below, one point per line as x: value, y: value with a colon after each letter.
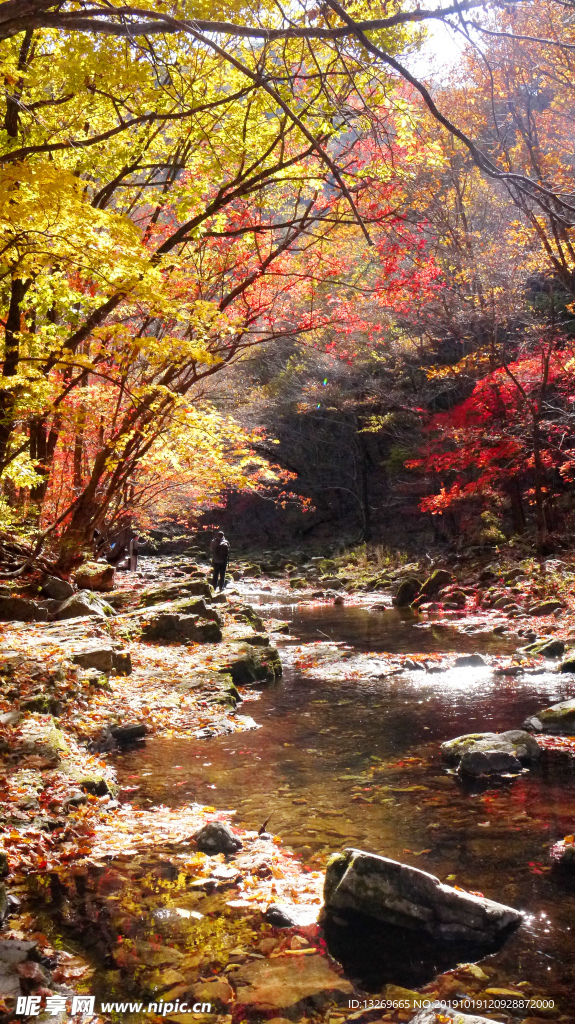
x: 133, y: 549
x: 220, y: 550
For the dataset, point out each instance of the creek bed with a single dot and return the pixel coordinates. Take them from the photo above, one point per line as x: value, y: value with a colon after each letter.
x: 354, y: 762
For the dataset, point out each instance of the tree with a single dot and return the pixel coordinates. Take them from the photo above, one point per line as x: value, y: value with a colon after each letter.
x: 512, y: 439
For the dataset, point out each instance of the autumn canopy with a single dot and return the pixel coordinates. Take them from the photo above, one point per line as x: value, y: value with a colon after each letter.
x: 199, y: 201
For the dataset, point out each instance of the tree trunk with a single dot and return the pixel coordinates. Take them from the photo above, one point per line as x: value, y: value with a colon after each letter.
x: 10, y: 368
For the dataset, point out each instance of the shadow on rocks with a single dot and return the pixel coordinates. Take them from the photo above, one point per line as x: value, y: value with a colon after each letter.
x: 373, y: 954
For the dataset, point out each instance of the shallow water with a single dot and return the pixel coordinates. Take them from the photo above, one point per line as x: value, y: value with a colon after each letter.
x: 354, y: 762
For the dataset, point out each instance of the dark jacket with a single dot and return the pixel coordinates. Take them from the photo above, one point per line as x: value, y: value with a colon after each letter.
x: 220, y: 550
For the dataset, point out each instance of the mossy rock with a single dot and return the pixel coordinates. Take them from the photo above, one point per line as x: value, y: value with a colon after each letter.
x: 407, y: 592
x: 254, y: 666
x: 439, y: 579
x: 547, y: 649
x: 559, y: 718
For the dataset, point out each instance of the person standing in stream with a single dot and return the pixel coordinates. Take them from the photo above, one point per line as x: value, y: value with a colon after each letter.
x: 220, y: 550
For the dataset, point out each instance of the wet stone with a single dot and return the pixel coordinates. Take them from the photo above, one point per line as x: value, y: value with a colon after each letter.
x: 477, y: 763
x: 516, y: 743
x: 407, y: 592
x: 470, y: 661
x: 559, y: 718
x: 546, y: 648
x: 397, y: 894
x: 437, y: 581
x: 217, y: 837
x: 279, y: 916
x: 254, y: 665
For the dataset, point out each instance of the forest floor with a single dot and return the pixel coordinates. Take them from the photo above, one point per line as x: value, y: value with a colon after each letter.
x: 113, y: 897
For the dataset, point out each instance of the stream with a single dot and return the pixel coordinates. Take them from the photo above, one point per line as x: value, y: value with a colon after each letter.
x: 355, y: 762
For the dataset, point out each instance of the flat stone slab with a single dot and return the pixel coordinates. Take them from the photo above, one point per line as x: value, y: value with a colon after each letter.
x: 411, y: 899
x: 559, y: 718
x: 285, y: 984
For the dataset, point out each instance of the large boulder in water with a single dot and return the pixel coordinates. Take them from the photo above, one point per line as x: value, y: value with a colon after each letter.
x: 559, y: 718
x: 253, y: 666
x: 407, y: 592
x: 399, y: 895
x: 491, y: 753
x: 478, y: 763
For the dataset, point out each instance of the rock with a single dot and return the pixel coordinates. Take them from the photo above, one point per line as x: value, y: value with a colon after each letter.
x: 255, y: 665
x: 407, y: 591
x: 245, y: 613
x: 40, y: 736
x: 545, y: 607
x: 407, y: 897
x: 33, y: 972
x: 200, y: 608
x: 4, y: 867
x: 43, y: 703
x: 9, y: 982
x: 438, y: 1013
x: 16, y: 951
x: 469, y: 661
x: 331, y: 581
x: 199, y: 632
x: 546, y: 648
x: 218, y: 993
x: 437, y: 581
x: 265, y: 985
x: 173, y: 591
x: 96, y: 784
x: 103, y: 657
x: 129, y: 733
x: 514, y: 742
x: 568, y: 663
x: 21, y: 609
x: 95, y: 576
x: 217, y: 837
x: 56, y: 588
x: 11, y: 718
x: 559, y: 718
x: 279, y: 916
x: 75, y: 799
x: 174, y: 626
x: 83, y: 603
x: 477, y: 763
